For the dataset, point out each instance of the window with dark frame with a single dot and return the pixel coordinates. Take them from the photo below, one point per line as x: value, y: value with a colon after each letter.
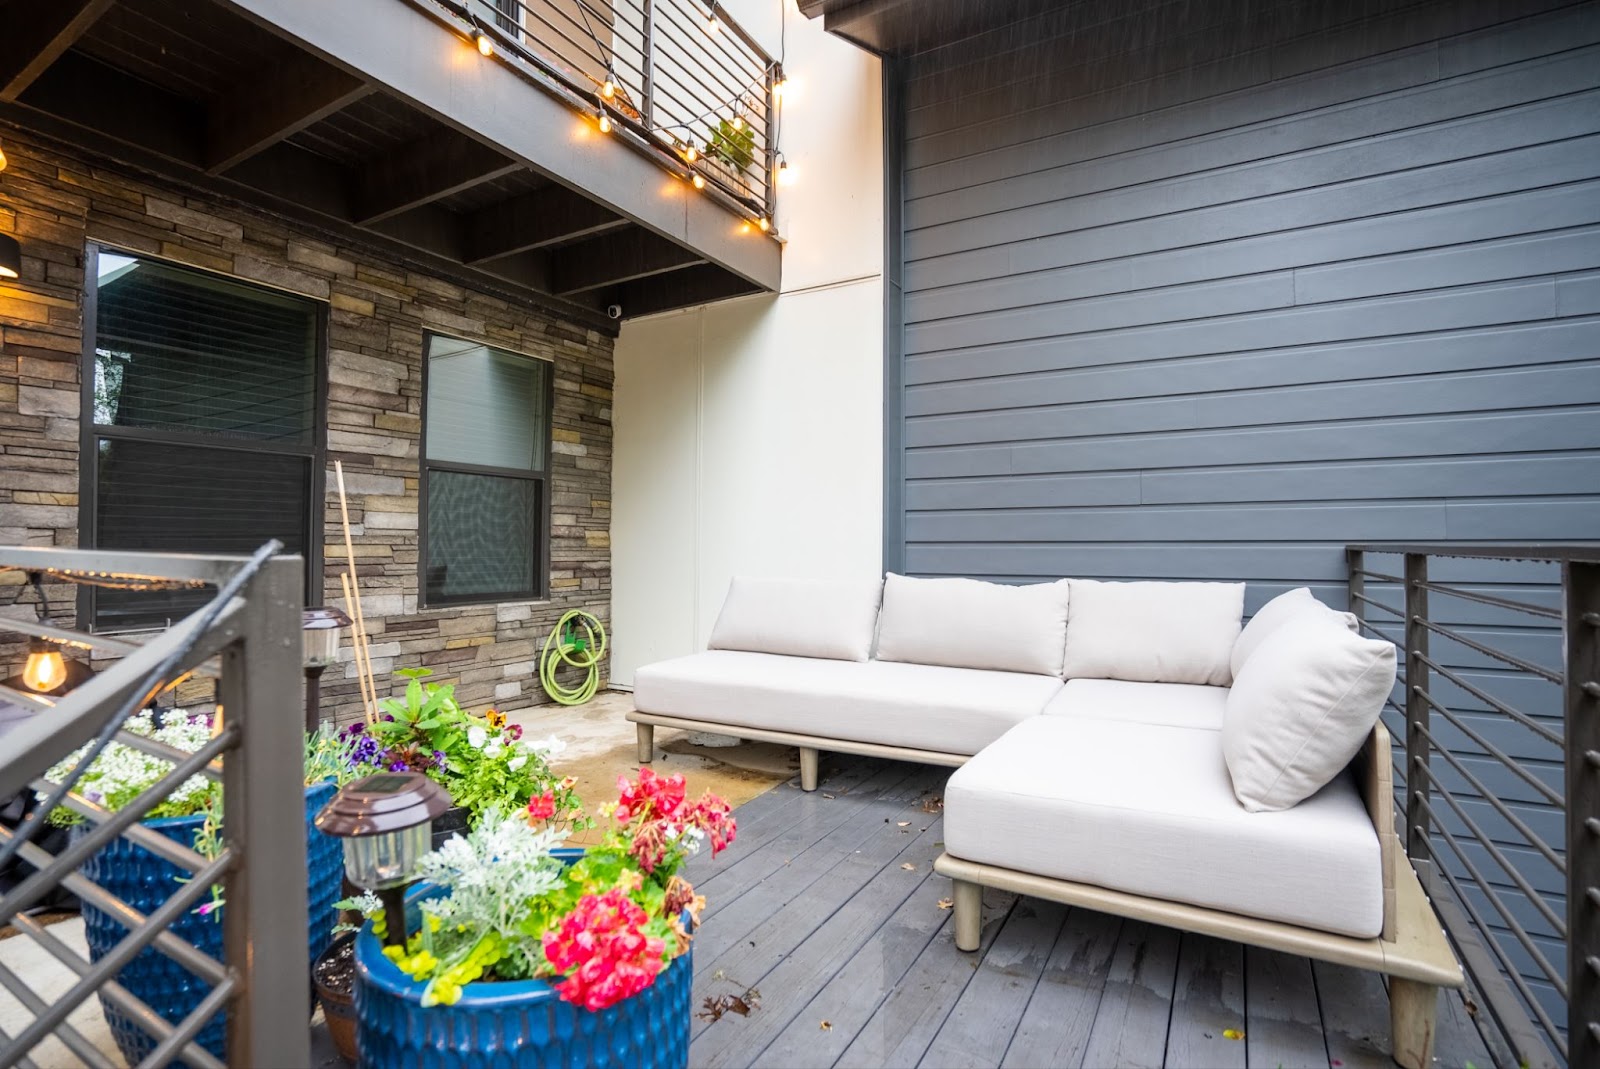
x: 202, y: 424
x: 485, y: 474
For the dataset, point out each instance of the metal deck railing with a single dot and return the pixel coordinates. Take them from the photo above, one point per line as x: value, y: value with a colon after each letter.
x: 1498, y: 713
x: 677, y: 79
x: 257, y: 753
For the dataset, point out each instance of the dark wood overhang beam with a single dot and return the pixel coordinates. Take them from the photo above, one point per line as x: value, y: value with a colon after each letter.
x: 416, y: 55
x: 92, y: 95
x: 535, y: 220
x: 683, y: 288
x: 424, y: 171
x: 33, y: 35
x: 615, y: 258
x: 276, y: 104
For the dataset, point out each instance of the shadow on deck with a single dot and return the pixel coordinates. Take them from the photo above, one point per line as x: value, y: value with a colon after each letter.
x: 828, y: 910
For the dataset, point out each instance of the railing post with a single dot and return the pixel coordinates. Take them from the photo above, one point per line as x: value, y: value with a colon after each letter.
x: 770, y: 192
x: 1418, y: 773
x: 263, y: 789
x: 1580, y: 581
x: 648, y: 106
x: 1356, y: 565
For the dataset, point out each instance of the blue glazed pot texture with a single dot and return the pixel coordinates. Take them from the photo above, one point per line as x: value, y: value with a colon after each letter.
x: 144, y: 881
x: 519, y: 1024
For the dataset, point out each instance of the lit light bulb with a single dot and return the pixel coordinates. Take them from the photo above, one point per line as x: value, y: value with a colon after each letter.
x: 699, y: 182
x: 485, y: 45
x: 45, y: 670
x: 780, y: 86
x: 713, y: 24
x: 2, y: 158
x: 764, y: 224
x: 609, y: 90
x: 738, y: 122
x: 786, y: 174
x: 605, y: 123
x: 690, y: 153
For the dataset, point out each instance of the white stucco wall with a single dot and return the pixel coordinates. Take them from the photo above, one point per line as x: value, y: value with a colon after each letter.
x: 749, y: 432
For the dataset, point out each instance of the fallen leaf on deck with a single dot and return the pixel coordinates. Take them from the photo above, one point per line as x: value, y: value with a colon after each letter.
x: 932, y: 805
x: 904, y: 823
x: 1232, y: 1033
x: 828, y: 796
x: 909, y: 867
x: 945, y: 903
x: 827, y: 1026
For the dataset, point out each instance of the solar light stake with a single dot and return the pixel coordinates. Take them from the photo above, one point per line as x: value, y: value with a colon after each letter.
x: 386, y: 822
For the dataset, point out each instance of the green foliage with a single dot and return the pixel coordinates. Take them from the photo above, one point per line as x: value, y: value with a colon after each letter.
x: 735, y: 146
x: 428, y: 719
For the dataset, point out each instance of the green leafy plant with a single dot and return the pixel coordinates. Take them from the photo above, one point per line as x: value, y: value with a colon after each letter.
x: 426, y: 722
x: 733, y: 145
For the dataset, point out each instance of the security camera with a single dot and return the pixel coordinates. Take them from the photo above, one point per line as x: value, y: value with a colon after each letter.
x: 614, y: 311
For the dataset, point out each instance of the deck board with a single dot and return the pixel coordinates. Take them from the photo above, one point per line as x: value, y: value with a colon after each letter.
x: 855, y: 960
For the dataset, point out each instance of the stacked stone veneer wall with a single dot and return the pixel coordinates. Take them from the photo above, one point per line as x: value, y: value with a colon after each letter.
x: 55, y: 200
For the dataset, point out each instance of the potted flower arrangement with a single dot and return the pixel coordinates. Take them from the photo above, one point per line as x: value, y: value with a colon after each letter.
x: 189, y: 815
x: 730, y: 152
x: 547, y: 955
x: 480, y: 761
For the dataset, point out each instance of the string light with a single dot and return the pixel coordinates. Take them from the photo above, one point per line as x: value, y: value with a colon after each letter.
x: 780, y: 84
x: 605, y: 122
x: 690, y: 153
x: 764, y: 224
x: 786, y: 174
x: 609, y: 90
x: 713, y: 24
x: 738, y: 122
x: 2, y: 158
x: 484, y: 43
x: 699, y: 181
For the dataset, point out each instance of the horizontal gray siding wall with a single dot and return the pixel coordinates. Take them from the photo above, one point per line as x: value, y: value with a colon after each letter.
x: 1209, y: 290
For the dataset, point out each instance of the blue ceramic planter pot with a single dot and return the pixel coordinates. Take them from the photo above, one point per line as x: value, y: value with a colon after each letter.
x: 144, y: 881
x: 514, y: 1025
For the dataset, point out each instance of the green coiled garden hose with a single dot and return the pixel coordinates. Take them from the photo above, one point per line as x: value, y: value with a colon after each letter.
x: 566, y: 648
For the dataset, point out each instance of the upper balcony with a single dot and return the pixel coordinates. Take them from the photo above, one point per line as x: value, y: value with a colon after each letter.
x: 584, y: 153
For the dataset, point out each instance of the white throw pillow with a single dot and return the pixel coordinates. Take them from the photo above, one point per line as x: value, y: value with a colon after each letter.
x: 1274, y: 614
x: 1300, y: 710
x: 1153, y: 632
x: 965, y: 623
x: 828, y: 618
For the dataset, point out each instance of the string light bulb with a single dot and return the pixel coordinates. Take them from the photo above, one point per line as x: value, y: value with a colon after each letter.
x: 786, y: 174
x: 713, y: 24
x: 609, y: 90
x: 780, y: 84
x: 605, y: 122
x: 764, y: 224
x: 2, y: 158
x: 45, y: 669
x: 738, y: 122
x: 699, y: 181
x: 484, y: 43
x: 690, y: 152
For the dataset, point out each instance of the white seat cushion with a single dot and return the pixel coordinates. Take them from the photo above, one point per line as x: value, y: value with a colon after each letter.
x: 923, y: 707
x: 1291, y: 605
x: 799, y: 617
x: 1184, y: 705
x: 1153, y: 632
x: 1149, y: 810
x: 967, y: 623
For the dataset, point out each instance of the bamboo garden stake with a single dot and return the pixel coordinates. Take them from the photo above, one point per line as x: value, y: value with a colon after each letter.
x: 353, y: 597
x: 369, y: 697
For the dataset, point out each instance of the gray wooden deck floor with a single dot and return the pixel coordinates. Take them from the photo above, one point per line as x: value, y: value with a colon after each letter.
x: 827, y: 918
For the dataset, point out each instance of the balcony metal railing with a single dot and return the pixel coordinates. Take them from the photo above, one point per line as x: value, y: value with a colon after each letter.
x: 257, y: 753
x: 1498, y: 712
x: 677, y: 79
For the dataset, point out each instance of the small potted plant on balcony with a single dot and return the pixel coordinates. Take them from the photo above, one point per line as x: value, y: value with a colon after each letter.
x: 729, y: 154
x: 546, y: 955
x: 190, y: 816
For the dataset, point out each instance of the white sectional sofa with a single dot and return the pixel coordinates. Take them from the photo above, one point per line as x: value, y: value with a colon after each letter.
x: 1127, y: 747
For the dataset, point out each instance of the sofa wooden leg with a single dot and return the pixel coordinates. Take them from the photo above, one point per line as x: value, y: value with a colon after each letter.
x: 647, y: 743
x: 969, y: 914
x: 808, y: 768
x: 1413, y: 1010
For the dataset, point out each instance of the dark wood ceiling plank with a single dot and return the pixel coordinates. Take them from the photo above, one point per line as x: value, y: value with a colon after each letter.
x: 34, y: 35
x: 423, y: 171
x: 616, y: 258
x: 534, y: 220
x: 90, y: 94
x: 291, y: 174
x: 276, y: 104
x: 680, y: 289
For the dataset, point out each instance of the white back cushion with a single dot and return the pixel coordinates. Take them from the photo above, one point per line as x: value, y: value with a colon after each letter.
x: 1293, y: 605
x: 829, y: 618
x: 965, y: 623
x: 1301, y: 708
x: 1153, y: 632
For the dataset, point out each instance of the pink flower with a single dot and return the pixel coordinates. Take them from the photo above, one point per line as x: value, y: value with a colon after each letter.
x: 542, y: 807
x: 603, y: 952
x: 652, y: 796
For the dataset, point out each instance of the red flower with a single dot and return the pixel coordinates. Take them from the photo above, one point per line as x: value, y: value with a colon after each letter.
x: 542, y: 806
x: 653, y: 796
x: 713, y: 816
x: 602, y: 949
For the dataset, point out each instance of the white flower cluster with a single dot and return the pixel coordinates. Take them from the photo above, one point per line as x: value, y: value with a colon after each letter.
x: 492, y: 872
x: 121, y: 773
x: 494, y: 746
